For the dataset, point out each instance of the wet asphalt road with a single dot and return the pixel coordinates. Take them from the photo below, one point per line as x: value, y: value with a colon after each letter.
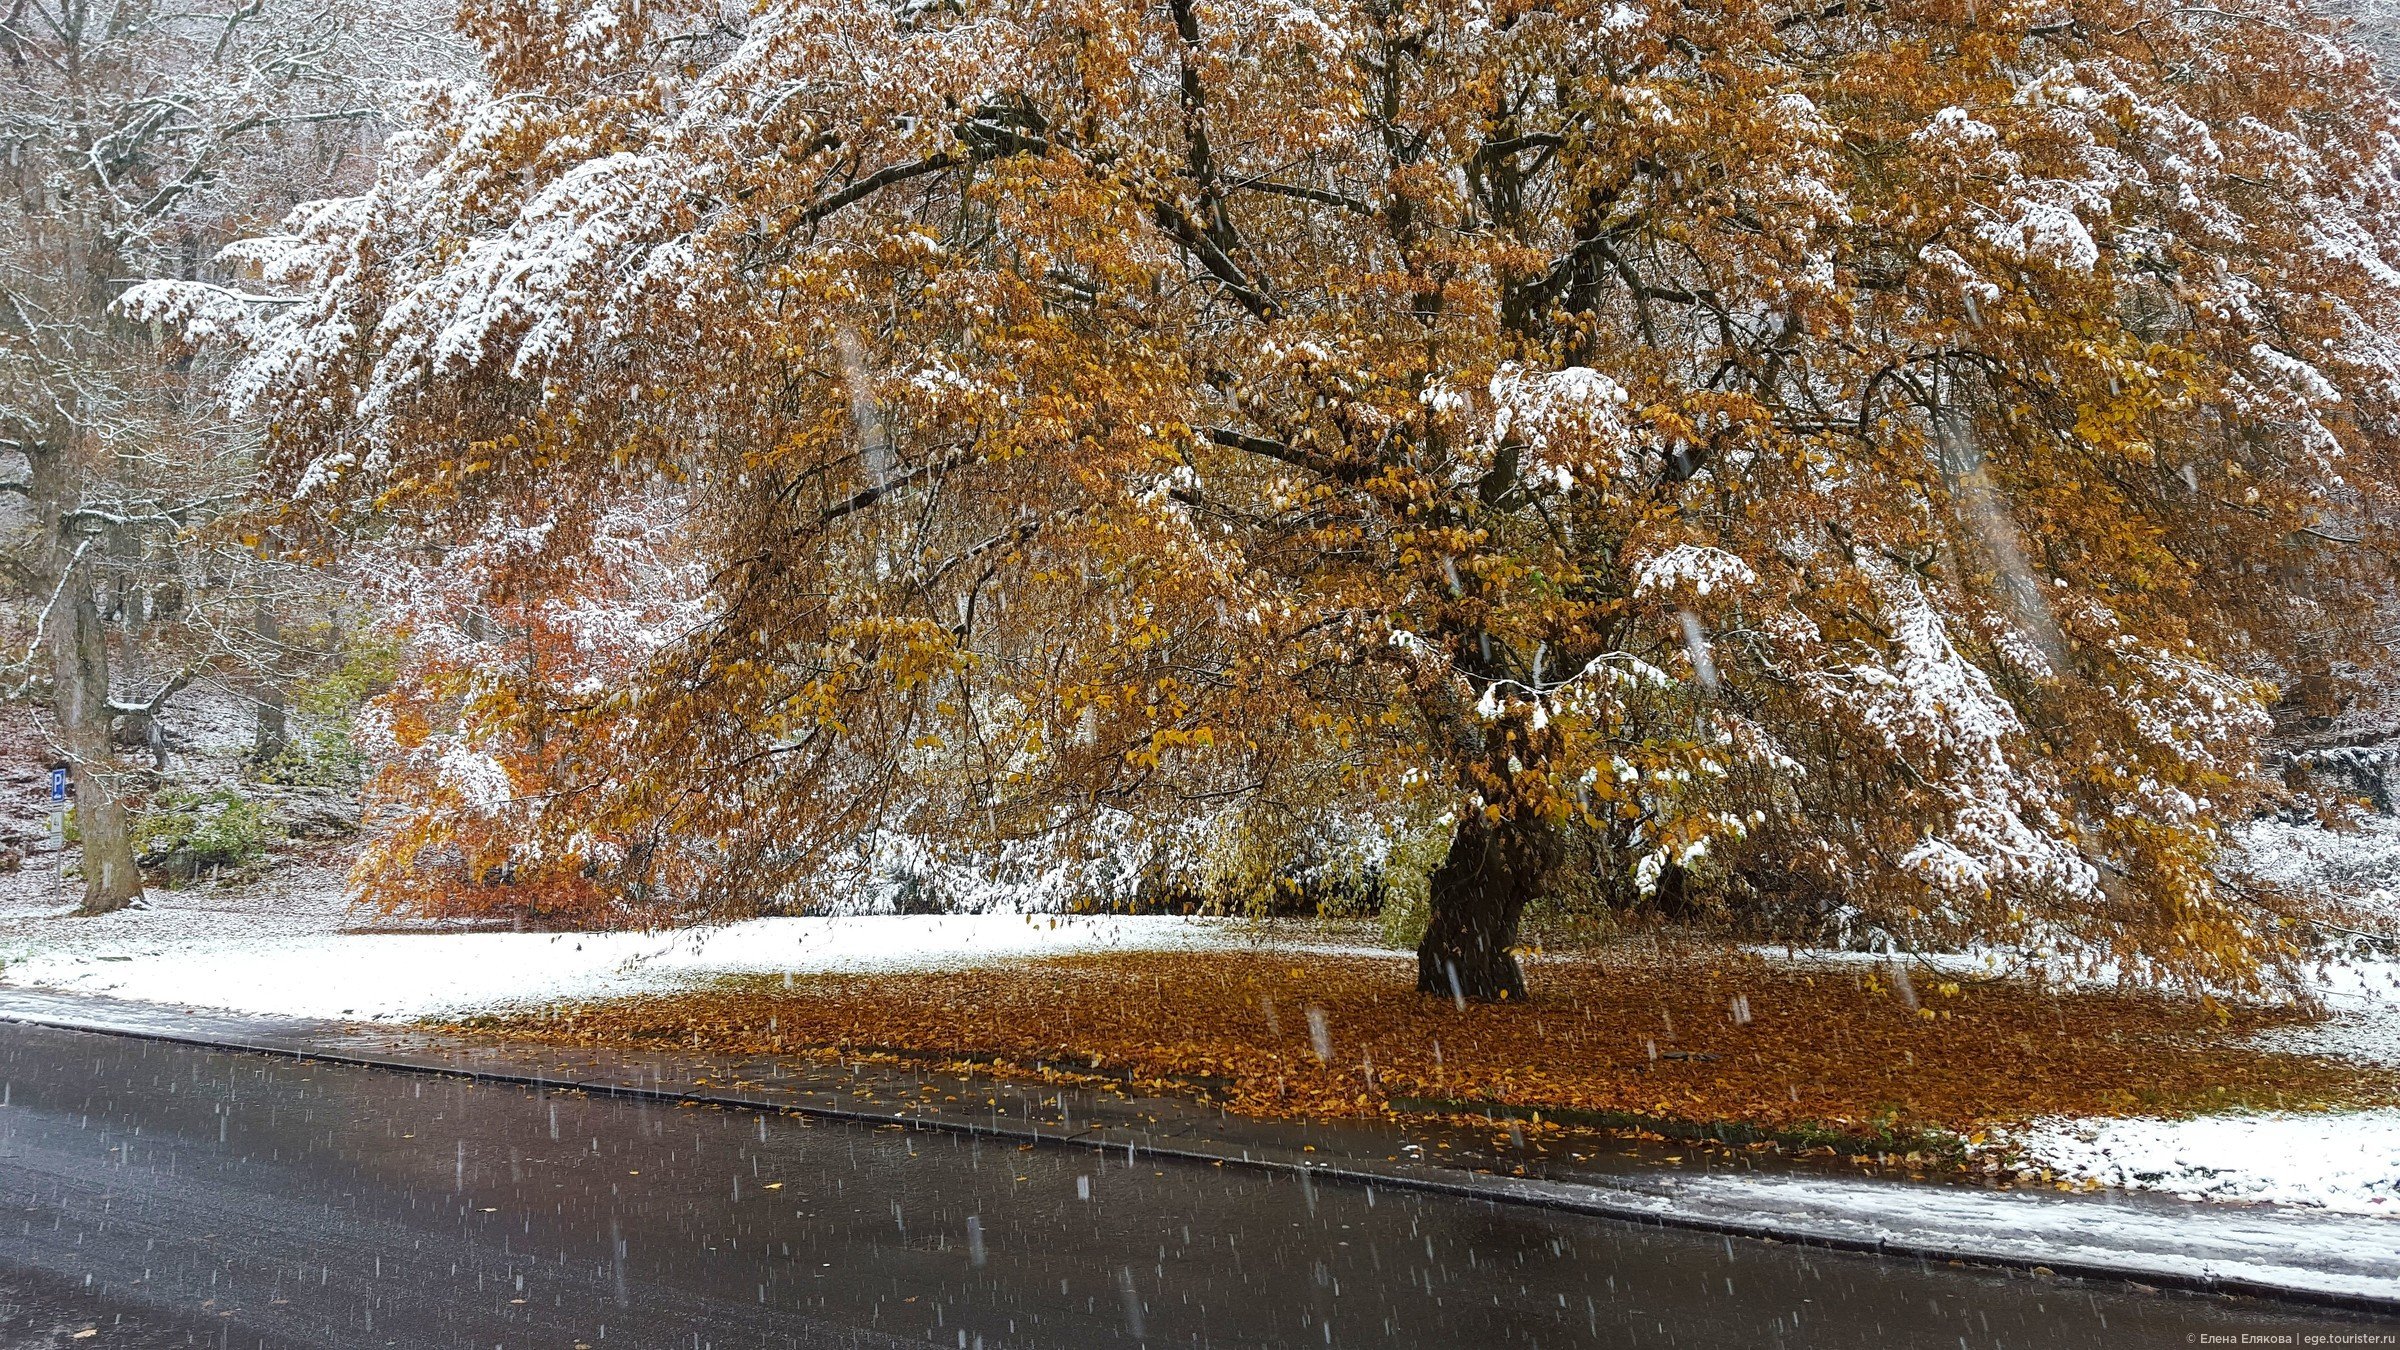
x: 154, y: 1195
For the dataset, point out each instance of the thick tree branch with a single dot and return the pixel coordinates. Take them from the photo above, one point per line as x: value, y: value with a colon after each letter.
x: 867, y: 497
x: 1311, y: 460
x: 150, y: 706
x: 1219, y: 265
x: 1306, y: 194
x: 879, y: 180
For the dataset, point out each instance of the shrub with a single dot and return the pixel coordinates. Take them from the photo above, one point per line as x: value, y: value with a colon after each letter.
x: 186, y: 833
x: 320, y: 751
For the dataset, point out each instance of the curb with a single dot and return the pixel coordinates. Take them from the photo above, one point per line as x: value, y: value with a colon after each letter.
x: 1470, y: 1186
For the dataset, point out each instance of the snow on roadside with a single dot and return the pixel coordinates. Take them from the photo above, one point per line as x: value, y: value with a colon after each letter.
x: 2143, y: 1236
x: 2340, y: 1161
x: 401, y: 976
x: 2343, y: 1161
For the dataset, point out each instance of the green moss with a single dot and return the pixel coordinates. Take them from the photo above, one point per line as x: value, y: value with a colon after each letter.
x: 1888, y: 1134
x: 1416, y: 851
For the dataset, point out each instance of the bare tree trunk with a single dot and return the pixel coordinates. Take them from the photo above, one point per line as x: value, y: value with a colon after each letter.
x: 1478, y: 895
x: 79, y: 702
x: 274, y: 731
x: 79, y: 689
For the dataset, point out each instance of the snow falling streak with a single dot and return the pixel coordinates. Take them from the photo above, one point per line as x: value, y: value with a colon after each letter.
x: 1695, y: 644
x: 1133, y: 1302
x: 1320, y: 1035
x: 874, y: 447
x: 1998, y: 533
x: 1985, y: 513
x: 1907, y: 988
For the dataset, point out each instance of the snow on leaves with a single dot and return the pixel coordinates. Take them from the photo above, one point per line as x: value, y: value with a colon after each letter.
x: 1570, y: 422
x: 2000, y: 828
x: 1696, y: 568
x: 1875, y: 448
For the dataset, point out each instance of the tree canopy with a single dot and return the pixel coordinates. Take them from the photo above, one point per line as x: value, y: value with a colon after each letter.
x: 1859, y: 454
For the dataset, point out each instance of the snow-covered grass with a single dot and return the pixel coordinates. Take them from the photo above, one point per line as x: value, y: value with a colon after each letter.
x: 2145, y: 1237
x: 399, y: 976
x: 301, y: 896
x: 2337, y: 1160
x: 2347, y: 1161
x: 2344, y: 1161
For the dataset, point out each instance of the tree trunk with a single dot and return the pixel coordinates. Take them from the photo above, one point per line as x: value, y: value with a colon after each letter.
x: 274, y: 729
x: 78, y: 647
x: 274, y: 734
x: 1478, y: 894
x: 79, y: 656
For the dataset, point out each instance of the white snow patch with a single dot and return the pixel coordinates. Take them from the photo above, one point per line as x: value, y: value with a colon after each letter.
x: 480, y: 781
x: 1696, y: 566
x: 2336, y: 1161
x: 403, y: 976
x: 2356, y: 866
x: 2362, y: 1000
x: 2344, y: 1161
x: 2291, y: 1248
x: 2044, y: 232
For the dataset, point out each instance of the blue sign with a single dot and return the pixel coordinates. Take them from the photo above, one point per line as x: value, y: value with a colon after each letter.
x: 58, y: 784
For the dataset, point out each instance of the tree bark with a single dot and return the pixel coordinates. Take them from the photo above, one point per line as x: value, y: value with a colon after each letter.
x: 77, y: 645
x: 1478, y: 895
x: 274, y: 730
x: 79, y: 660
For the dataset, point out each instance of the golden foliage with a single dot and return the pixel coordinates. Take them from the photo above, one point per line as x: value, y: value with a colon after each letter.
x: 1860, y: 454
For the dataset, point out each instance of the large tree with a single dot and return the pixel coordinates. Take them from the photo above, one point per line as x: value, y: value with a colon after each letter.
x: 1855, y: 451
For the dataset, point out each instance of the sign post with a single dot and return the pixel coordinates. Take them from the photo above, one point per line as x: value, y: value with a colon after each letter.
x: 58, y: 806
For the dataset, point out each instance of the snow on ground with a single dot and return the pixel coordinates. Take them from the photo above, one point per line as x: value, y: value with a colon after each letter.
x: 399, y: 976
x: 288, y: 945
x: 2142, y: 1236
x: 303, y: 896
x: 2347, y: 1161
x: 2343, y: 1161
x: 2362, y: 1004
x: 2355, y: 867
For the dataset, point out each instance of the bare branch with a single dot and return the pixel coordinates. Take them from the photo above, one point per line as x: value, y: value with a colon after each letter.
x: 150, y: 706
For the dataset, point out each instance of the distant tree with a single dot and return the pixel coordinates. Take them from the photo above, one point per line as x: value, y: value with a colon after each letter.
x: 135, y: 140
x: 1859, y: 454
